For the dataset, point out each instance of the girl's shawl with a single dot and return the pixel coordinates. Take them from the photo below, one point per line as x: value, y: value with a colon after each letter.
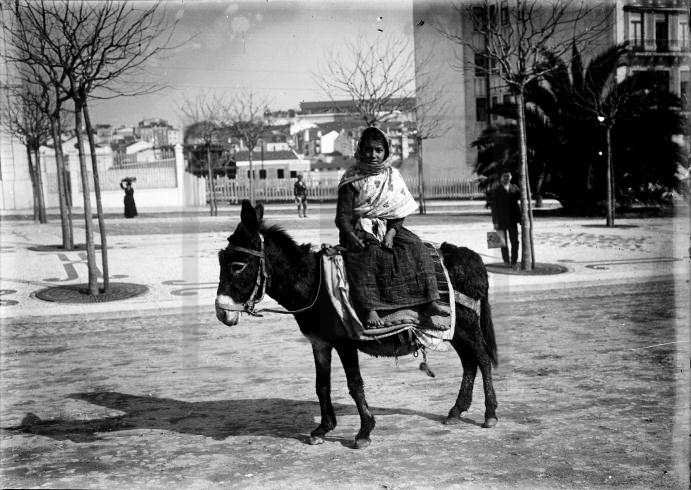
x: 379, y: 198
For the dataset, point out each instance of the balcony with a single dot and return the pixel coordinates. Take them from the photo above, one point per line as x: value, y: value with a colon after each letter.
x: 660, y: 45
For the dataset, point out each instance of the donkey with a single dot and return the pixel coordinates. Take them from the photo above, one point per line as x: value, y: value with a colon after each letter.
x: 260, y: 258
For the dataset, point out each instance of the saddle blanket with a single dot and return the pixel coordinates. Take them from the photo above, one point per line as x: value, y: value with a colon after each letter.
x: 431, y: 331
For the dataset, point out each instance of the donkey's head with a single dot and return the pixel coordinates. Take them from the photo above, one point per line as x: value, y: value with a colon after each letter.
x: 241, y: 280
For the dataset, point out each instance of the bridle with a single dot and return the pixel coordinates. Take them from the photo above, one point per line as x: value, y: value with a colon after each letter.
x: 261, y: 283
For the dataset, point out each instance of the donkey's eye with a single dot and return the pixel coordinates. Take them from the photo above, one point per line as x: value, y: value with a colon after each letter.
x: 237, y: 267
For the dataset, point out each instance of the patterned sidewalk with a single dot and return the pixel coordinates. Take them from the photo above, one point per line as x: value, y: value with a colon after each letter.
x: 175, y: 257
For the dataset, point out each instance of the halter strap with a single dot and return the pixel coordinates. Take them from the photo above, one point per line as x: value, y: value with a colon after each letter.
x: 261, y: 283
x: 256, y: 253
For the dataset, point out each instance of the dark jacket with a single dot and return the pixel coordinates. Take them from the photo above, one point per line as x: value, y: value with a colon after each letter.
x: 300, y: 189
x: 504, y: 204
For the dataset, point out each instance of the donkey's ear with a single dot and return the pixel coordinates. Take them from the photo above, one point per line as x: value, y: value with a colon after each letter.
x: 259, y: 208
x: 248, y: 216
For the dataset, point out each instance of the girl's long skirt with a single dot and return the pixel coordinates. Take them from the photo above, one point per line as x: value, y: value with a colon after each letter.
x: 383, y: 279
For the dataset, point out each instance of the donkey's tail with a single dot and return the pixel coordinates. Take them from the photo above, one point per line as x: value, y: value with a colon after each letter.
x: 487, y: 326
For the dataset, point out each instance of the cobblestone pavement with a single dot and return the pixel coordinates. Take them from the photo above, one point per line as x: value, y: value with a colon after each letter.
x: 591, y: 385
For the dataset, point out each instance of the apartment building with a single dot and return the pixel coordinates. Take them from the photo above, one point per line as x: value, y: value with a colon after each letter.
x: 658, y: 32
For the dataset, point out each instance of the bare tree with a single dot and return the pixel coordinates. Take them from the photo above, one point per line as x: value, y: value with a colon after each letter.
x: 245, y: 116
x: 111, y: 41
x: 516, y: 38
x: 82, y: 47
x: 29, y: 52
x: 202, y: 116
x: 377, y: 77
x: 24, y: 118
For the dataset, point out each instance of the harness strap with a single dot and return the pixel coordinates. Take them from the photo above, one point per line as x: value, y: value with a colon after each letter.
x: 468, y: 302
x: 300, y: 310
x: 262, y: 281
x: 256, y: 253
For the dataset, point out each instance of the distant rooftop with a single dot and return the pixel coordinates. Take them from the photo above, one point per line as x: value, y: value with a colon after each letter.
x: 347, y: 106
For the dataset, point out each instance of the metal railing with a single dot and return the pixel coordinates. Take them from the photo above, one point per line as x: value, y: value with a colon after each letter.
x: 660, y: 45
x: 233, y: 191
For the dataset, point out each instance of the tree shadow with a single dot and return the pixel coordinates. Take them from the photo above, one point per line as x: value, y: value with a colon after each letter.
x: 216, y: 419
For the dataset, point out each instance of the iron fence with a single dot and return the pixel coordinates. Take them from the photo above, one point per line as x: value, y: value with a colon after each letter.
x: 234, y: 191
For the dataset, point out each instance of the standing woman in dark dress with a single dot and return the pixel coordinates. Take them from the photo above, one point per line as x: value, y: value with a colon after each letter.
x: 387, y: 265
x: 130, y: 206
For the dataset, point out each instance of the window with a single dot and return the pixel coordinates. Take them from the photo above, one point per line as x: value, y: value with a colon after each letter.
x: 684, y: 89
x: 293, y: 174
x: 280, y: 173
x: 504, y: 14
x: 636, y: 29
x: 661, y: 32
x: 262, y: 173
x: 481, y: 64
x: 481, y: 109
x: 684, y: 35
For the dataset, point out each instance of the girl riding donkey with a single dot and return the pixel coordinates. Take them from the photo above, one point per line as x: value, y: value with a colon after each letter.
x: 388, y: 266
x: 383, y: 257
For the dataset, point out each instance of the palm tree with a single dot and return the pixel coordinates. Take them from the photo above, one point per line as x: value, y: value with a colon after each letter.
x: 565, y: 113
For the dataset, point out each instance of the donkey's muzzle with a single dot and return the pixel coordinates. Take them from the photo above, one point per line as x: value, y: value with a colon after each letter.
x: 227, y: 310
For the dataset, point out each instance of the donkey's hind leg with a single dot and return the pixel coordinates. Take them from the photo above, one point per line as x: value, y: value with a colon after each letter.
x: 322, y: 364
x: 465, y: 394
x: 351, y: 366
x: 490, y: 397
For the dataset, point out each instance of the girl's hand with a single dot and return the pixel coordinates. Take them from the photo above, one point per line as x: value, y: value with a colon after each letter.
x: 388, y: 238
x: 355, y: 242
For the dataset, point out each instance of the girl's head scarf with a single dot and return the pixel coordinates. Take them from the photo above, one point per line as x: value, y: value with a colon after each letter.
x: 372, y: 134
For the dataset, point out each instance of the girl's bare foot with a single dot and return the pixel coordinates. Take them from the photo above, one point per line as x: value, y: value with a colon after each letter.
x: 373, y: 319
x: 435, y: 309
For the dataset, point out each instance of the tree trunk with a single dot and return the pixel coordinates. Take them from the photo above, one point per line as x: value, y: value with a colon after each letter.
x: 212, y: 192
x: 42, y: 216
x: 488, y: 71
x: 420, y: 177
x: 32, y: 176
x: 65, y: 211
x: 527, y: 259
x: 610, y: 177
x: 86, y: 193
x: 99, y: 206
x: 251, y: 179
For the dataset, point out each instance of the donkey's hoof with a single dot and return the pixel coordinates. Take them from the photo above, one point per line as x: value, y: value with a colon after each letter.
x: 452, y: 420
x: 315, y: 440
x: 489, y: 423
x: 362, y: 443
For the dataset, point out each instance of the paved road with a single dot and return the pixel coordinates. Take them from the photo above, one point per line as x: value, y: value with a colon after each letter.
x: 588, y: 387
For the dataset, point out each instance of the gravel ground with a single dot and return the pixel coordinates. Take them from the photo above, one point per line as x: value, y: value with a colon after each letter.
x: 588, y: 388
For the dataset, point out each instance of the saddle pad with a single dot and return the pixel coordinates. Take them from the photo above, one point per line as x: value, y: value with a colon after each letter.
x: 430, y: 330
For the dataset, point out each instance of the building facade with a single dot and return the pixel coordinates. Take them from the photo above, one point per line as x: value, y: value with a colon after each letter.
x: 658, y: 33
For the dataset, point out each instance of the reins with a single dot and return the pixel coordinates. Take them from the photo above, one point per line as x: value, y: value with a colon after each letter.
x: 262, y: 281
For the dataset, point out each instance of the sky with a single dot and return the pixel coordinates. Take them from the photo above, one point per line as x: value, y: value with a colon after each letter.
x: 269, y: 47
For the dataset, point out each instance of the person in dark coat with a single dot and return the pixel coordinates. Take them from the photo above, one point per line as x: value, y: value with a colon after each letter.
x: 130, y: 206
x: 506, y: 214
x: 388, y: 266
x: 300, y: 192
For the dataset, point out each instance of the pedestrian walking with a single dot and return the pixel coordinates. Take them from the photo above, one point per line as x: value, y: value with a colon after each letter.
x: 506, y: 214
x: 300, y: 191
x: 387, y: 265
x: 130, y: 206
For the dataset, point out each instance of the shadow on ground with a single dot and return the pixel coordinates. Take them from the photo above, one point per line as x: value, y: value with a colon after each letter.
x: 217, y: 419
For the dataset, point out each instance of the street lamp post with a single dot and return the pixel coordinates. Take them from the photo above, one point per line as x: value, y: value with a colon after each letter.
x: 606, y: 124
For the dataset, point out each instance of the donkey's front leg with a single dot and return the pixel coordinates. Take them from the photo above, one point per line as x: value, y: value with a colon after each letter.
x: 351, y: 366
x: 322, y: 364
